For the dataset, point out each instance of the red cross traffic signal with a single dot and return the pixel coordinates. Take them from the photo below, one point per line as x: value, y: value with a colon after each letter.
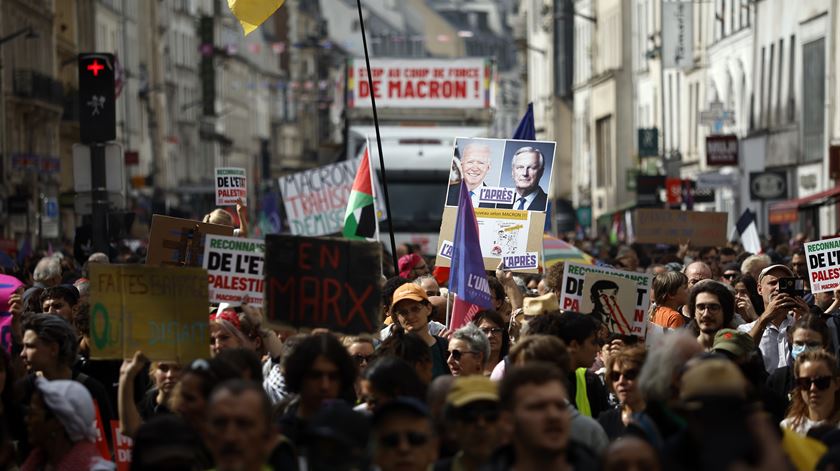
x: 97, y: 115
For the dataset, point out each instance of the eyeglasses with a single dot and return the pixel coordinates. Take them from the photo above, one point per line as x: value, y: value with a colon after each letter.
x: 415, y: 309
x: 359, y: 359
x: 492, y: 330
x: 471, y: 415
x: 822, y: 383
x: 629, y: 375
x: 393, y: 440
x: 730, y: 276
x: 457, y: 354
x: 707, y: 307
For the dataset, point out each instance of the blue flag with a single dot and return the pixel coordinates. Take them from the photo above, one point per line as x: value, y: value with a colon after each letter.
x: 526, y: 130
x: 467, y: 279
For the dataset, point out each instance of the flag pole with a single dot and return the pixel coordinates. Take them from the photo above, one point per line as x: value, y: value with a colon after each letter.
x: 378, y: 142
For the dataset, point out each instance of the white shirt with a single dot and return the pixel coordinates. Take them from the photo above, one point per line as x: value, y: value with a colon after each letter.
x: 529, y: 198
x: 773, y: 344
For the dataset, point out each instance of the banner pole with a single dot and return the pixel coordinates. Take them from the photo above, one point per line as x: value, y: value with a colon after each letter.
x: 378, y: 141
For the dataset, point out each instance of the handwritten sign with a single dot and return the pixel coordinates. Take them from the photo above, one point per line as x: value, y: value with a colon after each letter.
x: 823, y: 258
x: 179, y: 242
x: 235, y: 269
x: 578, y: 283
x: 315, y: 200
x: 231, y: 186
x: 667, y: 226
x: 323, y: 282
x: 161, y: 311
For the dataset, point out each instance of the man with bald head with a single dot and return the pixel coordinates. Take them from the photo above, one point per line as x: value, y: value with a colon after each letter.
x: 475, y: 164
x: 695, y: 272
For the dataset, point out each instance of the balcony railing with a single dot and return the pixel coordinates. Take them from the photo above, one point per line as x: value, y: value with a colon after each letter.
x: 37, y: 86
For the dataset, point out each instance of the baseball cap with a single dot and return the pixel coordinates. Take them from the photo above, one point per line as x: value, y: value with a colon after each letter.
x: 734, y: 342
x: 409, y: 291
x: 766, y: 271
x: 539, y: 305
x: 401, y: 404
x: 473, y: 388
x: 712, y: 378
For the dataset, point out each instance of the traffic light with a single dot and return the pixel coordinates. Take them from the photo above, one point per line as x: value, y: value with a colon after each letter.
x: 97, y: 117
x: 207, y: 70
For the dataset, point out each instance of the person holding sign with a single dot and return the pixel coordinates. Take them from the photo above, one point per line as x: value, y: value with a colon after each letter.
x: 780, y: 311
x: 223, y: 218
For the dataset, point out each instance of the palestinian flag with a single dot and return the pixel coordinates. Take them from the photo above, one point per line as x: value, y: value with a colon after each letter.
x: 360, y: 221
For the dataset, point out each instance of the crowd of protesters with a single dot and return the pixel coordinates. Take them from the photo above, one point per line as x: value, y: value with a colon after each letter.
x: 735, y: 374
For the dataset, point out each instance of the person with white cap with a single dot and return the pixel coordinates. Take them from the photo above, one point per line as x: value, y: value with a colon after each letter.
x: 61, y: 423
x: 780, y: 311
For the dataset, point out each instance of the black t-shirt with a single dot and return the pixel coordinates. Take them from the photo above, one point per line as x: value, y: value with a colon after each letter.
x: 612, y: 424
x: 148, y: 406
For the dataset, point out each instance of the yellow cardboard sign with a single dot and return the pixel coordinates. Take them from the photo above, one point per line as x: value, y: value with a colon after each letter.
x: 159, y: 310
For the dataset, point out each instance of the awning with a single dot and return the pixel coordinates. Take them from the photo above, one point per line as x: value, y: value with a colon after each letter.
x: 788, y: 211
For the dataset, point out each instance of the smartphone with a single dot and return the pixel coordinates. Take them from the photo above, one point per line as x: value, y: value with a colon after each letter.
x: 792, y: 286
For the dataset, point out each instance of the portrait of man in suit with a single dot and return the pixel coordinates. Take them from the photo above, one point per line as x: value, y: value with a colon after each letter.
x: 476, y: 162
x: 527, y: 167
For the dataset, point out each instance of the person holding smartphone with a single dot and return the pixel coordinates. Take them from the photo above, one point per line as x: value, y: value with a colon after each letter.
x: 781, y: 309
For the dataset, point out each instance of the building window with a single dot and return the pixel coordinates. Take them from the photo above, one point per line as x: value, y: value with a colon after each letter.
x: 603, y: 151
x: 813, y: 98
x: 779, y: 104
x: 791, y: 105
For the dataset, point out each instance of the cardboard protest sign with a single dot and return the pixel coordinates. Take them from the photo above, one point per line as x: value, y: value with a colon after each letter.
x: 612, y: 299
x: 315, y: 200
x: 122, y: 447
x: 323, y: 282
x: 231, y: 186
x: 235, y: 269
x: 576, y: 290
x: 507, y: 180
x: 823, y: 258
x: 9, y: 285
x: 159, y: 310
x: 668, y: 226
x: 179, y: 242
x: 422, y: 83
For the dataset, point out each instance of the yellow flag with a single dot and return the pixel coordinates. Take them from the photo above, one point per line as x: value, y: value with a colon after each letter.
x: 252, y: 13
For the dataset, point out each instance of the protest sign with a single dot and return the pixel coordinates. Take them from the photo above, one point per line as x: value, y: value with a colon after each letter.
x: 231, y: 186
x: 507, y: 180
x: 122, y: 447
x: 159, y: 310
x: 668, y: 226
x: 179, y: 242
x: 9, y: 285
x: 323, y: 282
x: 315, y: 200
x: 575, y: 289
x: 612, y: 299
x: 422, y: 83
x: 823, y: 258
x: 235, y: 269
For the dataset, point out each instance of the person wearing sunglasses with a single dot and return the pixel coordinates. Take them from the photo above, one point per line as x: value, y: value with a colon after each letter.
x: 495, y: 328
x: 472, y: 416
x: 403, y: 436
x: 622, y: 372
x: 468, y: 351
x: 816, y: 397
x: 808, y: 333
